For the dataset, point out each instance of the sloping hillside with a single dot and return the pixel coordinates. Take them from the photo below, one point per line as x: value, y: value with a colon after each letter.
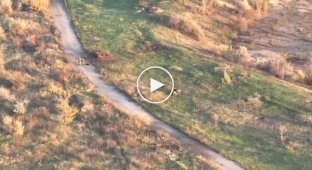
x: 50, y: 116
x: 247, y: 115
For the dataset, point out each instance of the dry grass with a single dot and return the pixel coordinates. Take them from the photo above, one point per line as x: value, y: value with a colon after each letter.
x: 18, y: 80
x: 68, y: 113
x: 2, y: 34
x: 39, y: 5
x: 5, y: 94
x: 242, y: 24
x: 308, y: 76
x: 5, y: 7
x: 13, y: 126
x: 19, y: 26
x: 279, y: 66
x: 243, y: 56
x: 185, y: 24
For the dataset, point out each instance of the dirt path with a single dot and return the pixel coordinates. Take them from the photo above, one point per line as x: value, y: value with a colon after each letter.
x: 74, y: 50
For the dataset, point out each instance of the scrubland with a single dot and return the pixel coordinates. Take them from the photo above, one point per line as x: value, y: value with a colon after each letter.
x: 50, y: 116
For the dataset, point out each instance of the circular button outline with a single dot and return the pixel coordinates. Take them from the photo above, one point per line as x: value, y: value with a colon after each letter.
x: 172, y: 81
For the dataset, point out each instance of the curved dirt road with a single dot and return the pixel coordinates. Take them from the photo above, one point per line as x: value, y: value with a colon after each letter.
x: 74, y: 50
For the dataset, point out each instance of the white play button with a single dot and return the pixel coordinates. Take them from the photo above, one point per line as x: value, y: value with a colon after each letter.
x: 155, y: 90
x: 155, y: 85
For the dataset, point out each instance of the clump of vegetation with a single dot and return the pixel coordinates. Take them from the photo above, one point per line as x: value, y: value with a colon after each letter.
x: 5, y: 7
x: 185, y: 25
x: 2, y: 34
x: 68, y: 113
x: 282, y: 129
x: 226, y: 78
x: 13, y: 126
x: 308, y: 76
x: 19, y: 26
x: 19, y: 108
x: 251, y: 11
x: 279, y: 66
x: 37, y: 5
x: 243, y: 56
x: 5, y: 94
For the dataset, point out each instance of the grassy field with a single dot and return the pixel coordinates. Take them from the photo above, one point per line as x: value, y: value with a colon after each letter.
x: 254, y: 120
x: 51, y: 117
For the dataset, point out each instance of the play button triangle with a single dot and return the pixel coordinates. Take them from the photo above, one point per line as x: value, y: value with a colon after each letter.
x: 155, y: 85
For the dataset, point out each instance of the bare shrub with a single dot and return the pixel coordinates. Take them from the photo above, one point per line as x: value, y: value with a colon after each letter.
x: 279, y: 66
x: 251, y: 103
x: 18, y: 79
x: 207, y: 4
x: 2, y: 34
x: 262, y: 6
x: 6, y: 94
x: 13, y: 126
x: 185, y: 25
x: 243, y: 56
x: 19, y: 108
x: 68, y: 113
x: 39, y: 5
x: 6, y: 6
x: 22, y: 27
x: 18, y: 128
x: 308, y: 76
x: 298, y: 75
x: 19, y: 26
x: 282, y: 130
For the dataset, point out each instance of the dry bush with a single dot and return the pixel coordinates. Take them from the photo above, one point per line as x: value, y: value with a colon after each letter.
x: 298, y: 75
x: 64, y: 76
x: 68, y: 113
x: 262, y: 6
x: 281, y: 131
x: 2, y: 34
x: 13, y: 126
x: 19, y: 26
x: 279, y: 66
x: 185, y: 24
x: 243, y: 56
x: 19, y: 108
x: 207, y: 4
x: 6, y: 6
x: 22, y: 27
x: 18, y: 80
x: 39, y: 5
x: 254, y: 102
x: 308, y: 76
x: 5, y: 94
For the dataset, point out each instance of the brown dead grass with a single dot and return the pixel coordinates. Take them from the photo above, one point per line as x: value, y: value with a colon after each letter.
x: 5, y: 7
x: 279, y: 66
x: 2, y: 34
x: 39, y: 5
x: 19, y: 26
x: 185, y: 25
